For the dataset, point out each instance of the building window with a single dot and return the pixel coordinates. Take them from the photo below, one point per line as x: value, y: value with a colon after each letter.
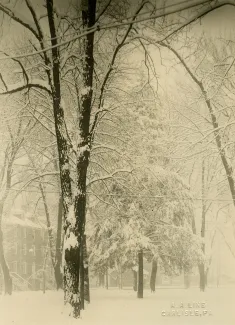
x: 33, y: 268
x: 15, y: 232
x: 14, y: 267
x: 24, y: 249
x: 24, y: 268
x: 43, y: 251
x: 33, y: 250
x: 24, y: 233
x: 15, y: 248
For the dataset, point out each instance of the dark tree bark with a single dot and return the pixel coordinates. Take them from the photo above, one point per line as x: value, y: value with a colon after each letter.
x: 82, y: 278
x: 140, y: 292
x: 186, y: 280
x: 107, y: 278
x: 153, y: 275
x: 58, y: 254
x: 86, y: 272
x: 202, y: 273
x: 101, y: 279
x: 135, y: 280
x: 71, y: 254
x: 120, y: 277
x: 203, y: 229
x: 84, y: 147
x: 5, y: 269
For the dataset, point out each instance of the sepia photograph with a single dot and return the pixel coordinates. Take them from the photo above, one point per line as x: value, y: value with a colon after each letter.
x: 117, y: 162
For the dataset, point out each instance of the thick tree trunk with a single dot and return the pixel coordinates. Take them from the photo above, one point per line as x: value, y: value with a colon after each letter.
x: 82, y: 277
x: 186, y: 280
x: 72, y: 256
x: 72, y: 235
x: 140, y: 292
x: 86, y: 272
x: 153, y: 275
x: 120, y: 277
x: 58, y: 275
x: 135, y: 280
x: 44, y: 281
x: 107, y: 278
x: 101, y: 280
x: 71, y: 270
x: 74, y: 225
x: 202, y: 273
x: 58, y: 255
x: 5, y: 269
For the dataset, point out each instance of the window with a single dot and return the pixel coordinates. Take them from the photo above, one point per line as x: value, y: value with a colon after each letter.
x: 43, y: 251
x: 15, y: 248
x: 24, y: 233
x: 15, y: 232
x: 33, y: 250
x: 14, y: 267
x: 24, y: 249
x: 24, y: 268
x: 33, y: 268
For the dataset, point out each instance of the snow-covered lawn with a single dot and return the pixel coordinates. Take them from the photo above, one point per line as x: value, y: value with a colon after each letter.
x: 121, y: 307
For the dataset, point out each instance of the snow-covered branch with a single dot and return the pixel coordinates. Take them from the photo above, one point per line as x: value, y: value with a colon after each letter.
x: 111, y: 176
x: 32, y: 84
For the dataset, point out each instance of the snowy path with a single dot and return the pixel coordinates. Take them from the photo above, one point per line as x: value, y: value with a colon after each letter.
x: 120, y: 307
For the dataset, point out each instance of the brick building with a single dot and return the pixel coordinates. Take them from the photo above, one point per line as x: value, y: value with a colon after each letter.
x: 27, y: 253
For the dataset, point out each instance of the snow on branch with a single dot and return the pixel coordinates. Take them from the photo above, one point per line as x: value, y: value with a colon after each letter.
x: 111, y: 176
x: 19, y: 18
x: 39, y: 177
x: 20, y: 86
x: 161, y: 12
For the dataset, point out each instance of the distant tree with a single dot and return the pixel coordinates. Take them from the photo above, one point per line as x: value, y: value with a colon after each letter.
x: 15, y: 136
x: 152, y: 218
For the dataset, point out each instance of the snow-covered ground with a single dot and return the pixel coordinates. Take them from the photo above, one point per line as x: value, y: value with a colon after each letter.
x: 121, y: 307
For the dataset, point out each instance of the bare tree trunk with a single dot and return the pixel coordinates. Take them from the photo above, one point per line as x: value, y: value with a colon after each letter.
x: 202, y: 274
x: 135, y: 280
x: 58, y: 255
x: 5, y: 269
x: 86, y: 272
x: 101, y: 280
x: 77, y: 229
x: 107, y: 278
x: 84, y: 275
x: 120, y: 277
x: 153, y: 274
x: 203, y: 228
x: 186, y: 280
x: 140, y: 292
x: 71, y: 228
x: 44, y: 281
x: 81, y: 277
